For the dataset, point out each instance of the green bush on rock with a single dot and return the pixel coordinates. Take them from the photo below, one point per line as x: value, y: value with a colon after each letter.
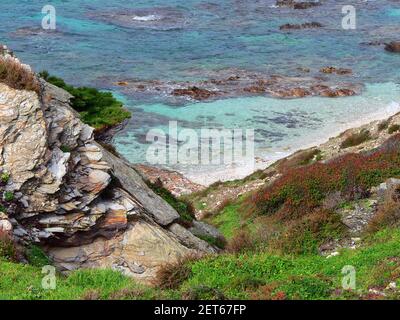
x: 98, y: 109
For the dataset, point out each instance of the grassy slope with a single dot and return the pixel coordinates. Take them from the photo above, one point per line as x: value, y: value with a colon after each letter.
x: 20, y: 281
x: 242, y: 276
x: 303, y: 277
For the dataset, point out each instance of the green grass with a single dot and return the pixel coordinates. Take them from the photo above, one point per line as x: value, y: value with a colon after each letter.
x: 19, y: 281
x: 98, y: 109
x: 228, y: 221
x: 36, y: 256
x: 302, y: 277
x: 242, y: 276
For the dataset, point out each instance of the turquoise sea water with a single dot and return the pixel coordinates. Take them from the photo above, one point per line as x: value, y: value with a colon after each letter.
x: 98, y: 42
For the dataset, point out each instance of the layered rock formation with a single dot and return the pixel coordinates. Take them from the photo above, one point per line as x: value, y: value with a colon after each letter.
x: 87, y: 207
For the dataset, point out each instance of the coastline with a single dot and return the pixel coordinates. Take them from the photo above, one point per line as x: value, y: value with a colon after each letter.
x: 331, y: 140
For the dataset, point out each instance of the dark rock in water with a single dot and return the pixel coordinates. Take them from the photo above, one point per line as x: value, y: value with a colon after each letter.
x: 305, y: 5
x: 34, y: 31
x: 342, y: 92
x: 373, y: 43
x: 194, y: 92
x: 255, y: 89
x: 295, y: 93
x: 340, y: 71
x: 297, y: 4
x: 307, y: 25
x: 393, y: 46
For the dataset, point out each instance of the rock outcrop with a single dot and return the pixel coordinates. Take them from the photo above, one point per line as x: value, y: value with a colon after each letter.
x: 307, y: 25
x: 393, y: 46
x: 85, y: 206
x: 297, y: 4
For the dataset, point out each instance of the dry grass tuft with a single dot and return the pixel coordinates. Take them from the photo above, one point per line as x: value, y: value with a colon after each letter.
x: 172, y: 275
x: 240, y: 242
x: 13, y: 74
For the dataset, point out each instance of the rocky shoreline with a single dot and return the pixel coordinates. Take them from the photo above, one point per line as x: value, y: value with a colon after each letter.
x: 328, y: 81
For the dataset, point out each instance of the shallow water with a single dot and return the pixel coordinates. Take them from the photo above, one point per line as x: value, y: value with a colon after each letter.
x: 101, y: 41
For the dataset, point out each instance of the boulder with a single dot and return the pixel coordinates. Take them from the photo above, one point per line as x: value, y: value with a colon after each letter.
x: 307, y: 25
x: 393, y: 46
x: 202, y: 229
x: 194, y: 92
x: 297, y: 4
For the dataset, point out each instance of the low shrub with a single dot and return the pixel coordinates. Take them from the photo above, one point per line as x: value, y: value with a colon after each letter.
x: 8, y: 196
x: 307, y: 287
x: 300, y: 158
x: 13, y: 74
x: 305, y: 235
x: 172, y: 275
x: 388, y: 215
x: 301, y: 190
x: 65, y: 149
x: 300, y: 203
x: 383, y: 125
x: 241, y: 241
x: 268, y: 292
x: 8, y: 250
x: 98, y: 109
x: 393, y: 128
x: 356, y: 139
x: 36, y: 256
x: 4, y: 177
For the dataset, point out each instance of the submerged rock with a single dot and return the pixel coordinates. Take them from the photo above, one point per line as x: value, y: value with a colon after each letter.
x: 194, y: 92
x: 228, y: 85
x: 339, y: 71
x: 307, y: 25
x: 393, y: 46
x: 297, y: 4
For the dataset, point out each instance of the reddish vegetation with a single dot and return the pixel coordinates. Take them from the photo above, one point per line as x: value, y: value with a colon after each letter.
x: 294, y: 203
x: 171, y: 275
x: 301, y: 190
x: 240, y: 242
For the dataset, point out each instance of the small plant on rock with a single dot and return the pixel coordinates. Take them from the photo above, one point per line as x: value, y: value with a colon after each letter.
x: 8, y: 196
x: 4, y: 177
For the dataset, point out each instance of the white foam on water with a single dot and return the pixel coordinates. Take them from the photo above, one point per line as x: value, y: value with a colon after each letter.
x: 151, y: 17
